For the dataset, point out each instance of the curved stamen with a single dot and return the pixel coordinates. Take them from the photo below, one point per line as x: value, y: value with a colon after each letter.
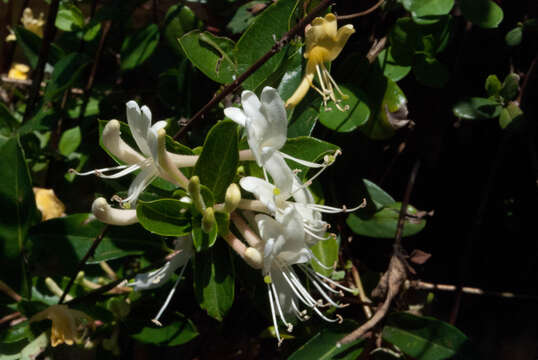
x: 279, y: 308
x: 169, y: 297
x: 273, y: 313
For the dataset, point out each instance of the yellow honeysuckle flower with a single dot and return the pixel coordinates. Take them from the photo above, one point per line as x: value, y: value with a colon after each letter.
x: 18, y: 72
x: 324, y: 42
x: 48, y: 203
x: 65, y: 323
x: 31, y: 23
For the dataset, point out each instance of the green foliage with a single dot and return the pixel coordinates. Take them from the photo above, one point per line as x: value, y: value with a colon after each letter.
x: 167, y: 217
x: 66, y: 71
x: 69, y: 141
x: 427, y: 11
x: 426, y: 338
x: 483, y: 13
x: 31, y: 44
x: 322, y: 345
x: 69, y: 17
x: 214, y: 280
x: 179, y: 331
x: 139, y: 46
x: 19, y: 213
x: 327, y: 253
x: 357, y: 113
x: 219, y: 158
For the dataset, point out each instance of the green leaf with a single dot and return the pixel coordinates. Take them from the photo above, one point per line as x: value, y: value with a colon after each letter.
x: 69, y: 17
x: 390, y: 104
x: 259, y: 38
x: 16, y: 333
x: 483, y: 13
x: 25, y: 350
x: 428, y: 11
x: 218, y: 161
x: 514, y: 36
x: 223, y: 222
x: 430, y: 72
x: 69, y: 141
x: 166, y: 217
x: 62, y: 242
x: 293, y: 75
x: 493, y: 85
x: 214, y: 283
x: 510, y: 89
x: 309, y: 149
x: 391, y: 68
x: 18, y: 213
x: 322, y: 346
x: 66, y: 72
x: 139, y: 46
x: 211, y: 54
x: 177, y: 332
x: 327, y: 253
x: 91, y: 30
x: 356, y: 115
x: 305, y: 116
x: 31, y: 45
x: 201, y: 240
x: 178, y: 20
x: 243, y: 17
x: 384, y: 222
x: 509, y: 114
x: 8, y: 123
x: 378, y: 196
x: 426, y: 338
x: 477, y: 108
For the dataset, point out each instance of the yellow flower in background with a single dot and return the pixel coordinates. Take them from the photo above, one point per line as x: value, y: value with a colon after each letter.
x: 65, y: 323
x: 324, y: 42
x: 48, y: 203
x: 31, y: 23
x: 18, y: 72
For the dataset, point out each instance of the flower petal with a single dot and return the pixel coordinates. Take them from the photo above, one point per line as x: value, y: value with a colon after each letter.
x: 236, y: 115
x: 276, y: 132
x: 139, y: 121
x: 262, y: 190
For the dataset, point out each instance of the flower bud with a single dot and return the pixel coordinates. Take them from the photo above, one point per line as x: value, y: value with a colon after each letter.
x: 194, y: 190
x: 208, y: 220
x: 232, y: 197
x: 253, y: 257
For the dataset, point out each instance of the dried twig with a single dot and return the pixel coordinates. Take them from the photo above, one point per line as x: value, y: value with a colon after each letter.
x: 235, y: 84
x: 6, y: 289
x: 422, y: 285
x: 362, y: 13
x: 366, y: 303
x: 10, y: 317
x: 82, y: 262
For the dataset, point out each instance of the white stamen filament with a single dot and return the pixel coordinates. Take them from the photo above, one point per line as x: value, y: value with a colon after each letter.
x: 273, y: 315
x: 169, y: 297
x: 279, y: 308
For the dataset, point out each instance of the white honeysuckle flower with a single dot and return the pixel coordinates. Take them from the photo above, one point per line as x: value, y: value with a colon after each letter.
x: 284, y: 246
x: 277, y: 202
x: 158, y: 277
x: 150, y: 158
x: 266, y: 123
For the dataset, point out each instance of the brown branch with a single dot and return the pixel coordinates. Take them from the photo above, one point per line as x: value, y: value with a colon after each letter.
x: 362, y: 13
x: 82, y: 262
x: 6, y: 289
x: 422, y: 285
x: 235, y: 84
x: 366, y: 303
x: 376, y: 48
x: 403, y: 209
x: 10, y: 317
x: 50, y: 31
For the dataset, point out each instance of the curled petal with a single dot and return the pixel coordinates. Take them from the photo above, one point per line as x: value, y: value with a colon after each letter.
x: 112, y: 141
x: 105, y: 213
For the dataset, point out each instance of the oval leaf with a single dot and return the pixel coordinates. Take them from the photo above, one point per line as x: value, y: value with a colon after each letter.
x: 483, y: 13
x: 426, y: 338
x: 356, y: 114
x: 167, y: 217
x: 139, y: 46
x: 218, y: 161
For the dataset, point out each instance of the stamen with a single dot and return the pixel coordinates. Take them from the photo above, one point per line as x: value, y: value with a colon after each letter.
x: 279, y: 308
x: 273, y: 314
x: 169, y: 297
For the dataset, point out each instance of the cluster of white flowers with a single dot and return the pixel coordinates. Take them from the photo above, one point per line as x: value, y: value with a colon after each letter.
x: 280, y: 225
x: 292, y: 222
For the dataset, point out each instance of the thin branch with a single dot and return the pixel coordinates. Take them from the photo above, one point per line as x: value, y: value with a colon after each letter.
x: 10, y: 317
x: 362, y: 13
x: 366, y: 303
x: 82, y: 262
x: 376, y: 48
x: 48, y: 36
x: 422, y: 285
x: 403, y: 209
x: 6, y: 289
x: 235, y: 84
